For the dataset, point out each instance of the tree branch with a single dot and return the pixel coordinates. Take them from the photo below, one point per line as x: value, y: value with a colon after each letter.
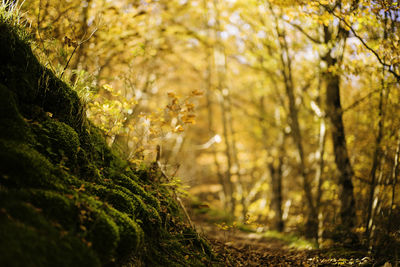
x: 359, y: 101
x: 363, y: 42
x: 313, y: 39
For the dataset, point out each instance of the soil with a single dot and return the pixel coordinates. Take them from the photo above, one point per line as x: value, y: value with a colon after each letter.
x: 236, y: 248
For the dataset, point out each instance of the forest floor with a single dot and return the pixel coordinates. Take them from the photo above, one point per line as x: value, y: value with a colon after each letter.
x: 238, y: 248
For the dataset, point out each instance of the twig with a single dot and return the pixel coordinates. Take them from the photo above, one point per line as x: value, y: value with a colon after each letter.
x: 184, y: 211
x: 70, y: 57
x: 298, y: 27
x: 75, y: 48
x: 357, y: 102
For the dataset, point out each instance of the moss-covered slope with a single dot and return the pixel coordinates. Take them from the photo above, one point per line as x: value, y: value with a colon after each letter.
x: 66, y: 199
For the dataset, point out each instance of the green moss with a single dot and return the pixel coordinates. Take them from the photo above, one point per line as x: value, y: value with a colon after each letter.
x: 103, y: 233
x: 124, y: 201
x: 56, y: 206
x: 18, y: 68
x: 117, y: 199
x: 13, y: 125
x: 94, y: 144
x: 23, y: 166
x: 27, y: 238
x: 87, y: 169
x: 57, y: 141
x: 131, y: 235
x: 169, y: 201
x: 135, y: 188
x: 59, y: 99
x: 177, y: 250
x: 149, y: 217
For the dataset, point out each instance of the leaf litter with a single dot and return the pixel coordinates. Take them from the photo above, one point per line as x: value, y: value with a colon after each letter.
x: 237, y: 248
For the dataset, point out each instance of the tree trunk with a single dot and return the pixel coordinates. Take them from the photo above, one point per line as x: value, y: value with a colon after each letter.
x: 394, y: 175
x: 286, y: 71
x: 333, y: 58
x: 276, y: 201
x: 210, y: 111
x: 236, y: 163
x: 334, y: 113
x: 320, y: 161
x: 375, y: 164
x: 221, y: 77
x: 276, y: 173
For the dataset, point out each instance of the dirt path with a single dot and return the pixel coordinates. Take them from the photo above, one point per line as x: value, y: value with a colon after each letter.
x: 236, y: 248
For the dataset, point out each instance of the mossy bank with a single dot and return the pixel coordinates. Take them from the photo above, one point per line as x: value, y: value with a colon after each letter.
x: 66, y: 198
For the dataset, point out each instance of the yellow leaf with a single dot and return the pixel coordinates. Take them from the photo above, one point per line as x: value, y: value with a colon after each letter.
x: 197, y: 92
x: 189, y: 106
x: 108, y: 87
x: 188, y: 118
x: 179, y: 129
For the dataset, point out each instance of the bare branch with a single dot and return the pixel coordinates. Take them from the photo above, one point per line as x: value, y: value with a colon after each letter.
x: 298, y: 27
x: 359, y: 101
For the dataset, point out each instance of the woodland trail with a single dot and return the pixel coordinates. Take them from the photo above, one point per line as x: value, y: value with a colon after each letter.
x: 236, y: 248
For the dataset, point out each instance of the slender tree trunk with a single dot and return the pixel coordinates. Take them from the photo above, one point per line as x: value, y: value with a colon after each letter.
x: 220, y: 176
x: 228, y: 156
x: 334, y: 114
x: 276, y: 201
x: 221, y: 77
x: 210, y: 112
x: 395, y: 174
x: 276, y: 173
x: 342, y: 160
x: 375, y: 163
x: 240, y: 186
x: 286, y: 71
x: 377, y: 203
x: 319, y: 170
x: 319, y: 176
